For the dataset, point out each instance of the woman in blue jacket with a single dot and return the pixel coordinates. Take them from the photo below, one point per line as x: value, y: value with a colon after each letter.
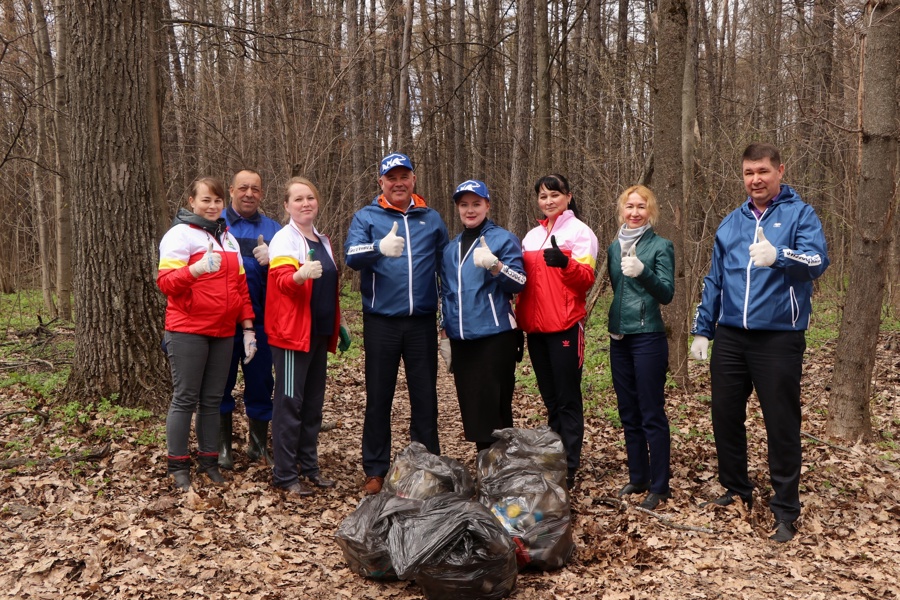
x: 480, y: 271
x: 641, y: 267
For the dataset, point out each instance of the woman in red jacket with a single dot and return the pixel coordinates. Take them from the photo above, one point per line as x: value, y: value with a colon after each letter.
x: 202, y: 275
x: 560, y: 256
x: 303, y: 322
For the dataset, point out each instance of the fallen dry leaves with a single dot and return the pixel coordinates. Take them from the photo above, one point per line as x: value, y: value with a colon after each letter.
x: 115, y: 527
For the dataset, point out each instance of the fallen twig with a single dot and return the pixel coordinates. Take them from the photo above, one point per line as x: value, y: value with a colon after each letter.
x: 622, y: 505
x: 94, y: 454
x: 27, y: 411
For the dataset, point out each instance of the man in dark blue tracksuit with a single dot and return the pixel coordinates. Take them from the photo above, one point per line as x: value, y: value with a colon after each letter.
x: 396, y: 243
x: 757, y: 302
x: 253, y: 232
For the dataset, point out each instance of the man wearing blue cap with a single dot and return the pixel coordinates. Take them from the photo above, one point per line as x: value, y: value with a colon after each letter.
x: 396, y: 244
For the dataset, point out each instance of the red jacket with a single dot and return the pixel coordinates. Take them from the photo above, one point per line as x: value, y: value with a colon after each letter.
x: 288, y: 315
x: 210, y: 304
x: 554, y: 299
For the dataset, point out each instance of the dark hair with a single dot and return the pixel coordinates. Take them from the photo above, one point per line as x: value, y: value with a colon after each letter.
x: 212, y: 183
x: 760, y: 150
x: 245, y: 171
x: 557, y: 183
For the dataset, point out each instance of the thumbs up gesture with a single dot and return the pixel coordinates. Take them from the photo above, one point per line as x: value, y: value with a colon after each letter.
x: 210, y: 262
x: 631, y: 264
x: 392, y: 244
x: 762, y: 253
x: 554, y: 257
x: 483, y: 257
x: 311, y: 269
x: 261, y: 252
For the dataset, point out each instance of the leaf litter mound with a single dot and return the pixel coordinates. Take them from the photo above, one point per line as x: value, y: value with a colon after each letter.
x: 82, y: 520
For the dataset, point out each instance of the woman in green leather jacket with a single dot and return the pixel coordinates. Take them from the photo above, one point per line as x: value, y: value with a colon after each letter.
x: 641, y: 266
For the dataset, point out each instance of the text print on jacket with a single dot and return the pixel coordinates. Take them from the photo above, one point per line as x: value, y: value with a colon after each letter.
x: 403, y: 286
x: 476, y: 304
x: 778, y: 298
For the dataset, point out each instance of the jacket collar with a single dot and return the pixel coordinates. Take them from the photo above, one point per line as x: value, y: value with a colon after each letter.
x: 416, y: 201
x: 234, y: 216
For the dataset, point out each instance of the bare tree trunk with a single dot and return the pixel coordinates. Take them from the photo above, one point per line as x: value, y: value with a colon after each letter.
x: 849, y: 417
x: 517, y: 217
x: 542, y: 85
x: 668, y: 175
x: 119, y: 309
x: 61, y: 180
x: 405, y: 131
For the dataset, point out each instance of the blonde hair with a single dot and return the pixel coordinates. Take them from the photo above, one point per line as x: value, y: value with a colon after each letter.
x: 648, y: 196
x: 304, y: 181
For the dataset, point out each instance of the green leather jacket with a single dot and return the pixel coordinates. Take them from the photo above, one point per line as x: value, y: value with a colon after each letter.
x: 636, y: 300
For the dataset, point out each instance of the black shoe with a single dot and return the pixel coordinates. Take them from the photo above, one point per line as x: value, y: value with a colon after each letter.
x: 182, y: 480
x: 784, y: 531
x: 727, y: 499
x: 226, y: 461
x: 634, y: 488
x: 321, y: 482
x: 570, y: 478
x: 297, y: 489
x: 209, y: 465
x: 652, y: 500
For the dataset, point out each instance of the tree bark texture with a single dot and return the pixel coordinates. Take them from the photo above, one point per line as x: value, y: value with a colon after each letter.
x: 668, y: 175
x: 849, y: 417
x: 520, y: 175
x: 119, y: 310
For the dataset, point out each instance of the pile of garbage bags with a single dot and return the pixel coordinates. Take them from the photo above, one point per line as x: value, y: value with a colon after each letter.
x: 464, y: 538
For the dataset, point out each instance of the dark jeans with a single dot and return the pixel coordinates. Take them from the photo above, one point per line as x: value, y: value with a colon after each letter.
x: 258, y: 380
x: 639, y: 363
x: 770, y: 362
x: 297, y: 410
x: 558, y: 359
x: 386, y: 341
x: 199, y: 366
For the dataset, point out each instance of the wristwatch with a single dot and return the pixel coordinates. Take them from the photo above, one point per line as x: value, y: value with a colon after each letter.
x: 494, y: 265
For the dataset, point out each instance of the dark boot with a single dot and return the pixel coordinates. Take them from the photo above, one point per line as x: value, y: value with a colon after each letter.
x: 226, y: 461
x: 179, y: 469
x: 259, y: 440
x: 209, y: 464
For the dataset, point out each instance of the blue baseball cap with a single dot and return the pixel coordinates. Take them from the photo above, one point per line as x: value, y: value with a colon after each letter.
x: 394, y: 160
x: 474, y: 186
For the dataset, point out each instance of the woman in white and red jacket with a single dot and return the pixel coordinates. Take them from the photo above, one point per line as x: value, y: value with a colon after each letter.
x: 560, y: 257
x: 202, y: 275
x: 303, y: 322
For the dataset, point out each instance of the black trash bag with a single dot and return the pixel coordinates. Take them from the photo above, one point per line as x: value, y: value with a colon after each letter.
x: 522, y: 481
x: 362, y: 535
x: 419, y: 474
x: 454, y: 548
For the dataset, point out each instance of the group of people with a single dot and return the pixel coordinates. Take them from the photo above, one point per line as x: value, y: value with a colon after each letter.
x: 243, y: 290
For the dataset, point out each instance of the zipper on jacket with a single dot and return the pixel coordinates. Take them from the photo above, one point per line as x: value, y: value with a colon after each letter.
x: 747, y: 281
x: 459, y: 291
x: 493, y: 309
x: 409, y: 263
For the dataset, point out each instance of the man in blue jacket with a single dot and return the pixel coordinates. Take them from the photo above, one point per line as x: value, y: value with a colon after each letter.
x: 756, y: 302
x: 396, y: 244
x: 253, y: 231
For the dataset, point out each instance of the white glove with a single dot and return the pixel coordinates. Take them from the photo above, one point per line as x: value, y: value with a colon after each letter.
x: 311, y: 269
x: 762, y: 253
x: 631, y: 264
x: 209, y: 263
x: 483, y: 256
x: 261, y: 252
x: 249, y: 345
x: 444, y: 349
x: 392, y: 244
x: 699, y: 347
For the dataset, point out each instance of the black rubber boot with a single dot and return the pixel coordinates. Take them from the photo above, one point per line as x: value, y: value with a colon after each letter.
x: 226, y: 461
x: 209, y: 464
x: 259, y: 440
x: 179, y: 470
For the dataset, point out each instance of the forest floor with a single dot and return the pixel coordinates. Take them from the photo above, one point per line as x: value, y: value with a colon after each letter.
x: 79, y: 519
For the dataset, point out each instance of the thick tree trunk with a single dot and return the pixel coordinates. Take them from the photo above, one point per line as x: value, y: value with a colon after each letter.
x: 851, y: 389
x: 119, y: 309
x: 668, y: 176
